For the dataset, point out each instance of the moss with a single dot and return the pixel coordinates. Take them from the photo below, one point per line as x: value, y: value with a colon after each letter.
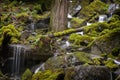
x: 96, y: 6
x: 114, y: 18
x: 46, y: 75
x: 77, y: 39
x: 110, y: 64
x: 83, y: 57
x: 96, y: 61
x: 69, y: 73
x: 9, y: 30
x: 111, y: 35
x: 116, y: 51
x: 95, y: 29
x: 27, y: 75
x: 76, y: 22
x: 63, y: 32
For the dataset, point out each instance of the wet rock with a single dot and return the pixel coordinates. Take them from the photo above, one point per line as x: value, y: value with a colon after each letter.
x: 92, y: 73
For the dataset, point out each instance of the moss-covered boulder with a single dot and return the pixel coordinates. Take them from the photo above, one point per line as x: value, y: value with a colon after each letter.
x: 106, y: 43
x: 94, y: 7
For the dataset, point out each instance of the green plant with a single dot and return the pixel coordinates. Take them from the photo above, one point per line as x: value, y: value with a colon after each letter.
x: 27, y: 75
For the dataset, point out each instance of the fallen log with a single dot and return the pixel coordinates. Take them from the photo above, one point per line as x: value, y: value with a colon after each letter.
x: 65, y: 32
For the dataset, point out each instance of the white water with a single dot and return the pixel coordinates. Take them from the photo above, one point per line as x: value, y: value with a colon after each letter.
x: 32, y: 27
x: 69, y: 16
x: 40, y: 67
x: 78, y: 8
x: 81, y: 33
x: 69, y: 24
x: 18, y: 61
x: 88, y: 24
x: 102, y: 18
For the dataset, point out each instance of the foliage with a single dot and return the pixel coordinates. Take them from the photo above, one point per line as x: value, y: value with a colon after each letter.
x: 27, y: 75
x: 46, y: 75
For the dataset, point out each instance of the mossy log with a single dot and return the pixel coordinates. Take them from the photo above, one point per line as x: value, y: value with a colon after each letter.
x: 65, y: 32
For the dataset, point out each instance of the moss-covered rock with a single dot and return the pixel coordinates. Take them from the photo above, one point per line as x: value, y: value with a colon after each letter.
x: 9, y: 31
x: 105, y: 43
x: 47, y: 75
x: 94, y: 7
x: 83, y: 57
x: 77, y: 39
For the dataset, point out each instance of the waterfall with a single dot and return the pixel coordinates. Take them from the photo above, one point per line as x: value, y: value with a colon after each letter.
x: 88, y: 24
x: 32, y: 27
x: 69, y: 24
x: 18, y: 61
x: 69, y: 16
x: 40, y: 67
x: 102, y: 18
x: 81, y: 33
x: 78, y: 8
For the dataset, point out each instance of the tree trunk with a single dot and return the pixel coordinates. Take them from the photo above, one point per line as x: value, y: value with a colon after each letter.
x: 59, y: 12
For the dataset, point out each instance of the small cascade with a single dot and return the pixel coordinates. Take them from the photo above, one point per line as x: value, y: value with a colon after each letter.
x: 18, y: 61
x: 102, y: 18
x: 65, y: 45
x: 81, y: 33
x: 41, y: 67
x: 32, y: 27
x: 69, y: 16
x: 69, y: 24
x: 78, y: 8
x: 88, y: 24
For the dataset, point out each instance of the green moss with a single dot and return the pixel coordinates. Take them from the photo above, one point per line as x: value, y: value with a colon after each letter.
x: 9, y: 30
x: 95, y: 29
x: 96, y: 61
x: 27, y: 75
x: 69, y: 73
x: 96, y: 6
x: 84, y: 57
x: 63, y: 32
x: 116, y: 51
x: 111, y: 35
x: 110, y: 64
x: 46, y: 75
x: 77, y: 39
x: 76, y: 22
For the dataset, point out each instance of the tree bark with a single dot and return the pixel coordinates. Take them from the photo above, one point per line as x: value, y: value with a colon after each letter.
x: 59, y: 12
